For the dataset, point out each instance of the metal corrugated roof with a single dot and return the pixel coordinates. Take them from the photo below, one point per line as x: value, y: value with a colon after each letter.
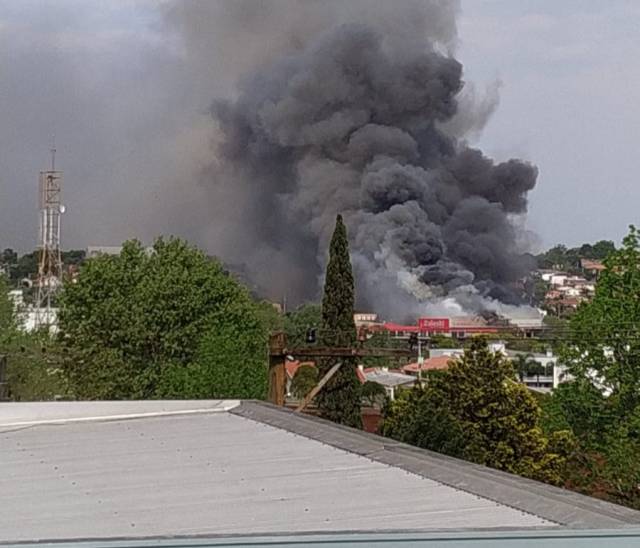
x: 388, y: 378
x: 211, y: 468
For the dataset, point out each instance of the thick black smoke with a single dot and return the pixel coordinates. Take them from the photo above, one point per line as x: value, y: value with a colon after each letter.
x: 358, y: 124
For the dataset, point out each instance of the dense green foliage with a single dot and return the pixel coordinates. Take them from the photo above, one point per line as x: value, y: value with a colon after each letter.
x: 8, y: 257
x: 476, y: 410
x: 384, y: 340
x: 33, y: 359
x: 373, y: 394
x: 415, y: 418
x: 7, y: 320
x: 26, y: 266
x: 162, y: 323
x: 304, y: 380
x: 568, y: 259
x: 339, y: 400
x: 270, y: 317
x: 34, y: 367
x: 601, y: 405
x: 297, y: 322
x: 525, y: 366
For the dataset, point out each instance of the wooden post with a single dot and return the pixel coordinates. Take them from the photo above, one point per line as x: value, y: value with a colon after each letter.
x: 277, y: 371
x: 3, y: 378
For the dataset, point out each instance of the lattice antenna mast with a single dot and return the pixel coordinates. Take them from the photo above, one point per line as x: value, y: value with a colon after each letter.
x: 50, y: 259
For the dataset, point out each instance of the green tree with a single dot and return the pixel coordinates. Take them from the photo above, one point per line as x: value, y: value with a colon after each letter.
x: 8, y: 256
x: 304, y: 380
x: 137, y: 324
x: 601, y: 402
x: 492, y: 419
x: 7, y: 320
x: 297, y: 322
x: 229, y: 363
x: 556, y: 257
x: 34, y: 371
x: 605, y: 334
x: 383, y: 340
x: 526, y: 366
x: 373, y: 394
x: 602, y: 249
x: 270, y: 317
x: 33, y: 359
x: 415, y: 418
x: 339, y: 400
x: 523, y: 363
x: 26, y: 267
x: 73, y: 256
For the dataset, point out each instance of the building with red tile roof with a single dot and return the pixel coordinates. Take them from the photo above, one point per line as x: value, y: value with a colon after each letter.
x: 429, y: 364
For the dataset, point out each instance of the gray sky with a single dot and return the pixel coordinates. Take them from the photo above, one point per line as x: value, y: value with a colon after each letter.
x: 109, y: 79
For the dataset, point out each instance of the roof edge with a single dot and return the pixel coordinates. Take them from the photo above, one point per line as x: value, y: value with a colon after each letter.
x: 564, y: 507
x: 22, y: 415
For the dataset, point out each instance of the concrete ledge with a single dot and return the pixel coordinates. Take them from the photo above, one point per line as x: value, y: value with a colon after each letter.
x: 18, y: 414
x: 566, y: 508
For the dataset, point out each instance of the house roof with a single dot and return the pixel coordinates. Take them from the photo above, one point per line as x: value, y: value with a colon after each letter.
x: 104, y: 470
x: 292, y: 367
x: 399, y: 327
x: 389, y: 378
x: 430, y: 364
x: 589, y: 264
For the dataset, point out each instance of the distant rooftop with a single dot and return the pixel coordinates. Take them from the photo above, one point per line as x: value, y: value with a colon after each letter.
x: 135, y: 470
x: 388, y: 378
x: 94, y: 250
x: 429, y: 364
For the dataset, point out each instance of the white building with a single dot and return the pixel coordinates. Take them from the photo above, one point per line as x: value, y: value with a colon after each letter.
x: 26, y: 315
x: 557, y: 280
x: 390, y: 380
x: 553, y: 374
x: 364, y: 318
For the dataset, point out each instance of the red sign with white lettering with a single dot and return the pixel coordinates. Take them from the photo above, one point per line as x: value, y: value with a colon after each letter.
x: 433, y: 324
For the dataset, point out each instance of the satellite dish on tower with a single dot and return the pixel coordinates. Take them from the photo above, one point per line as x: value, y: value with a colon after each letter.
x: 63, y: 208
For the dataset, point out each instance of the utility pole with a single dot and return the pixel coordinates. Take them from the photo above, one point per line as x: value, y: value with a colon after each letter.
x: 277, y: 371
x: 420, y: 360
x: 278, y: 353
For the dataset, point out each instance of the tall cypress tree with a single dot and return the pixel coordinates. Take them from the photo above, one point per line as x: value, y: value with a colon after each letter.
x: 339, y: 400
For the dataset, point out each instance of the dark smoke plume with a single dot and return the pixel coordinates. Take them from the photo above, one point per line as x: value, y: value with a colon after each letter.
x: 364, y: 119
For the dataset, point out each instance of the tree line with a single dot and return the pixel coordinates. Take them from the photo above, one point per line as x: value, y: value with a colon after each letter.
x: 568, y: 259
x: 584, y: 436
x: 171, y: 322
x: 165, y: 322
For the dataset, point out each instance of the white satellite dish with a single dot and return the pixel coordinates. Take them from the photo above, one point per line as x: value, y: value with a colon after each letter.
x: 62, y: 209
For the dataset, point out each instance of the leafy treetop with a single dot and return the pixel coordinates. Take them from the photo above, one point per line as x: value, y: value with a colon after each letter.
x: 135, y: 321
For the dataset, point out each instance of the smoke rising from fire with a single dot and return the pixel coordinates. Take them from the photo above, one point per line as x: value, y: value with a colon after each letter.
x: 358, y: 109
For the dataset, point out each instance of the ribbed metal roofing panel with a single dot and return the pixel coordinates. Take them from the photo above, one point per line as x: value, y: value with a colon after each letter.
x: 213, y: 473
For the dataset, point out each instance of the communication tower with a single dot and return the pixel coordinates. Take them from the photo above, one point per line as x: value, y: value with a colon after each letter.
x: 50, y: 260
